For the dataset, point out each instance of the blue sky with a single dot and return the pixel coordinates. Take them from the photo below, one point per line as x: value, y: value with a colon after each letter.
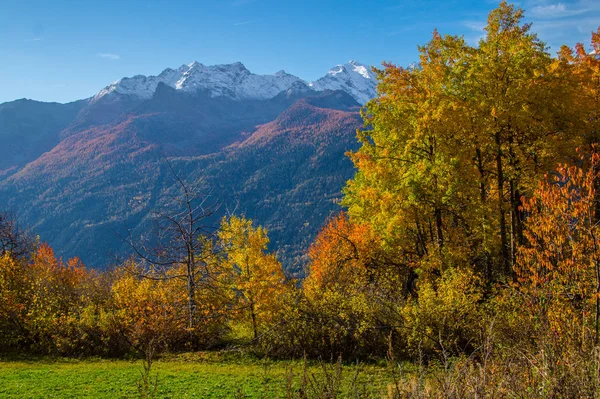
x: 63, y: 50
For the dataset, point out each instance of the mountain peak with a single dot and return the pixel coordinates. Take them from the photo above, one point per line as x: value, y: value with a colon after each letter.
x: 238, y: 65
x: 361, y: 69
x: 192, y: 65
x: 237, y: 82
x: 352, y: 77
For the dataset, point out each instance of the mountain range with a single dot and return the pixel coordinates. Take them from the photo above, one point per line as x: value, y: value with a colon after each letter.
x: 271, y: 147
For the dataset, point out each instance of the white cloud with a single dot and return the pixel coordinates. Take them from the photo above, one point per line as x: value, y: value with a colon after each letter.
x: 558, y: 10
x: 478, y: 31
x: 556, y: 23
x: 109, y: 56
x: 476, y: 26
x: 35, y: 39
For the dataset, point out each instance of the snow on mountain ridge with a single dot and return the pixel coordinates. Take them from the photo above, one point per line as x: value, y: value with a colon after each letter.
x: 354, y: 78
x: 237, y: 82
x: 142, y: 86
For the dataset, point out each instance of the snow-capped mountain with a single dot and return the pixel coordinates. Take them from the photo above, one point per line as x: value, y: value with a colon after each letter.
x: 142, y: 86
x: 231, y: 80
x: 354, y: 78
x: 237, y: 82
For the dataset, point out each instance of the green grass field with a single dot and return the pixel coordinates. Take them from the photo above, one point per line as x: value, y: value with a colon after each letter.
x: 184, y: 376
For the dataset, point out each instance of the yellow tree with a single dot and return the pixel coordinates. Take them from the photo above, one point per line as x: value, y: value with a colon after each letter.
x: 583, y: 68
x: 41, y: 299
x: 15, y: 294
x: 522, y: 115
x: 257, y: 277
x: 452, y: 145
x: 148, y: 313
x: 413, y: 167
x: 57, y: 296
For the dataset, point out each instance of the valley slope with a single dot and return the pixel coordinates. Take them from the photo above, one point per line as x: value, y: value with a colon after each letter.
x: 102, y: 167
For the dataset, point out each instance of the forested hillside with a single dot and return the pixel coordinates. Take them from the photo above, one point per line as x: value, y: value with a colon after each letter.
x: 280, y: 161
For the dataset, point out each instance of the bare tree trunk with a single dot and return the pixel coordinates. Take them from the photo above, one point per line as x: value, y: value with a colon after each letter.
x: 253, y: 314
x: 191, y: 282
x: 513, y: 225
x: 484, y: 222
x: 180, y: 237
x: 482, y: 192
x: 504, y: 256
x: 439, y: 227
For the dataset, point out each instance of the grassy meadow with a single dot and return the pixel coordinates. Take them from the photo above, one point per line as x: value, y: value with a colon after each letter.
x: 198, y: 375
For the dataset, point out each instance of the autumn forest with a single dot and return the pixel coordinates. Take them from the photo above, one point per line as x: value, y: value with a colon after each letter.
x: 468, y: 245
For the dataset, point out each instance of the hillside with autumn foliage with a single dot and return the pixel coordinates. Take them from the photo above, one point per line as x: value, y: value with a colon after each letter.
x: 280, y: 162
x: 466, y: 256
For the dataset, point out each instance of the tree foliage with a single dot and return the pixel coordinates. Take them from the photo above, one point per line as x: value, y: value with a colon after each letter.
x: 257, y: 277
x: 453, y: 144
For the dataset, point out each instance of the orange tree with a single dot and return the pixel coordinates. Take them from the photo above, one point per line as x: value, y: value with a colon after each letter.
x: 353, y: 290
x: 559, y: 267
